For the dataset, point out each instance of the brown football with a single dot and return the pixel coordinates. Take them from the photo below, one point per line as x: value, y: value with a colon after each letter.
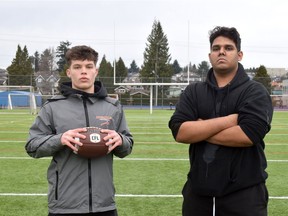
x: 93, y: 145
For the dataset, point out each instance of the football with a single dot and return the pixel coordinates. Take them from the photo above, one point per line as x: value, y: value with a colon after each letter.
x: 93, y: 145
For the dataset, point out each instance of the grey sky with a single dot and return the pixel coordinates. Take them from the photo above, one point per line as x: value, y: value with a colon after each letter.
x: 120, y: 28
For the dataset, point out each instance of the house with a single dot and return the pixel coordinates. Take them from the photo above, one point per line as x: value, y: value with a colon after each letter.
x: 174, y: 91
x: 183, y: 77
x: 276, y: 71
x: 47, y: 82
x: 121, y: 89
x: 285, y: 86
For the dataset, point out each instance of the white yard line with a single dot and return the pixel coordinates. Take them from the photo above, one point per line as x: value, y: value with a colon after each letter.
x: 125, y: 159
x: 129, y: 195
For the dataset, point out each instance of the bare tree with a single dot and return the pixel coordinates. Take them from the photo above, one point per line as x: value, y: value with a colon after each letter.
x: 47, y: 60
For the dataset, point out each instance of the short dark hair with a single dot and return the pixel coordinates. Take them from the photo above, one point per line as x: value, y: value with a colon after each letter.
x: 230, y: 33
x: 81, y: 53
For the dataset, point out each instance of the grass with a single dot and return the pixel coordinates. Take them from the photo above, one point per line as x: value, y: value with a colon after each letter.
x: 157, y: 167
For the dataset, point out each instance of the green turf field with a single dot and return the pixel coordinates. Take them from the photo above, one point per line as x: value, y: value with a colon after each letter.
x: 148, y: 182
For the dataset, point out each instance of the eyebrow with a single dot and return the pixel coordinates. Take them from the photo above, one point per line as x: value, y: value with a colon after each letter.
x: 219, y: 45
x: 89, y: 64
x: 225, y: 45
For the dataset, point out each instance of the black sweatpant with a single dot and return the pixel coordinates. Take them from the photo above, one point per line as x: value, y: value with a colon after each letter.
x: 108, y: 213
x: 251, y: 201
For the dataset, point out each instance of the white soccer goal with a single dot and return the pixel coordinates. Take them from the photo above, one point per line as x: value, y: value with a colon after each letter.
x: 18, y: 97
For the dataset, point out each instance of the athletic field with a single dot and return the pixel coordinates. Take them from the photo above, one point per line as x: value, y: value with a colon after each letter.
x: 148, y: 182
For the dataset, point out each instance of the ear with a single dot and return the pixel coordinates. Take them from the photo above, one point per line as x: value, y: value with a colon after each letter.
x: 209, y: 57
x: 240, y: 55
x: 68, y: 73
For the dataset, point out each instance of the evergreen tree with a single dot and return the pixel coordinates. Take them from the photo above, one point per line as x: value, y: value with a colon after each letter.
x: 156, y: 56
x: 105, y: 74
x: 60, y: 53
x: 185, y: 69
x: 20, y: 71
x: 194, y: 69
x: 263, y: 77
x: 133, y: 68
x: 251, y: 69
x: 121, y: 70
x: 176, y: 67
x: 203, y: 69
x: 105, y: 68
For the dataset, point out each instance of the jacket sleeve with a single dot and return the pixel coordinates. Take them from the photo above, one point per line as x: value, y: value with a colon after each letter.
x: 43, y: 140
x: 127, y: 139
x: 186, y: 110
x: 255, y: 113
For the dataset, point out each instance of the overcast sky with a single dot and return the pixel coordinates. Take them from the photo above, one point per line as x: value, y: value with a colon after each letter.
x: 119, y: 28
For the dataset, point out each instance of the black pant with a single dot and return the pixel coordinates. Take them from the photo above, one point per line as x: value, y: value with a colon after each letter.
x: 251, y: 201
x: 108, y: 213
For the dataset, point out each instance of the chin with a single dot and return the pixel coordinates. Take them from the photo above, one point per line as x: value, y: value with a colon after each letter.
x: 222, y: 70
x: 86, y: 88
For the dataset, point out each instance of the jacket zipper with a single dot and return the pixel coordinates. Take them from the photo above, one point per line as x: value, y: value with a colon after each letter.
x: 89, y: 160
x: 56, y: 186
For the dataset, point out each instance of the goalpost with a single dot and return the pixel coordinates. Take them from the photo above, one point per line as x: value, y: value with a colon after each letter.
x: 152, y: 84
x: 31, y: 101
x: 18, y: 97
x: 186, y: 82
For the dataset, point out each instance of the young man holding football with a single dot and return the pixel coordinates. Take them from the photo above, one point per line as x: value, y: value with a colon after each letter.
x: 225, y: 120
x: 79, y: 185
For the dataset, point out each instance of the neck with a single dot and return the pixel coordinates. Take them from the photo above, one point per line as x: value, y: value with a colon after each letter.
x: 224, y: 78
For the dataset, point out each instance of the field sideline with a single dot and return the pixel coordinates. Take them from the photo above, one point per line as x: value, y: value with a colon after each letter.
x: 148, y: 182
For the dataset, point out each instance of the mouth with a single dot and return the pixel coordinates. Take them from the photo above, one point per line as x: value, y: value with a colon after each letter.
x: 84, y: 79
x: 221, y: 60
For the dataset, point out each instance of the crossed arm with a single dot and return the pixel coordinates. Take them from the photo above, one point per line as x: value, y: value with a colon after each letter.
x: 220, y: 131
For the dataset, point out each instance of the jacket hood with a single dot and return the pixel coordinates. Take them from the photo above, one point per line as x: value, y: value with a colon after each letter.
x: 99, y: 90
x: 240, y: 78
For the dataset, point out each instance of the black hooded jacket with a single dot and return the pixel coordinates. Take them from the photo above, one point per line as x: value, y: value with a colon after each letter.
x: 99, y: 90
x: 218, y: 170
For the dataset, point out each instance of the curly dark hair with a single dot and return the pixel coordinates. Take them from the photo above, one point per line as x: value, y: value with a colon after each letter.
x: 230, y: 33
x: 81, y: 53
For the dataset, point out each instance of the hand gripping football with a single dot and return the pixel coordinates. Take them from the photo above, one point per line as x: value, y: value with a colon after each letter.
x: 93, y: 145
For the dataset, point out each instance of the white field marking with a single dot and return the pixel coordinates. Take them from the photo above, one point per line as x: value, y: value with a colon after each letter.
x: 276, y: 144
x: 134, y: 133
x: 11, y: 141
x: 151, y: 133
x: 129, y: 195
x: 8, y: 113
x: 137, y: 143
x: 117, y: 195
x: 149, y: 127
x: 276, y: 134
x: 147, y: 142
x: 125, y: 159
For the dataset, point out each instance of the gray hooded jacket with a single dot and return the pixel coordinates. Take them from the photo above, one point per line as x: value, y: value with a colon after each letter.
x: 76, y: 184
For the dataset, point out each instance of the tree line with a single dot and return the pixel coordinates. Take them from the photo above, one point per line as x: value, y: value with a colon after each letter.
x: 157, y: 63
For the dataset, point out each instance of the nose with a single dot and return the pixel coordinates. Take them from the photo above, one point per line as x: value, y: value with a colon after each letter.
x: 222, y: 51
